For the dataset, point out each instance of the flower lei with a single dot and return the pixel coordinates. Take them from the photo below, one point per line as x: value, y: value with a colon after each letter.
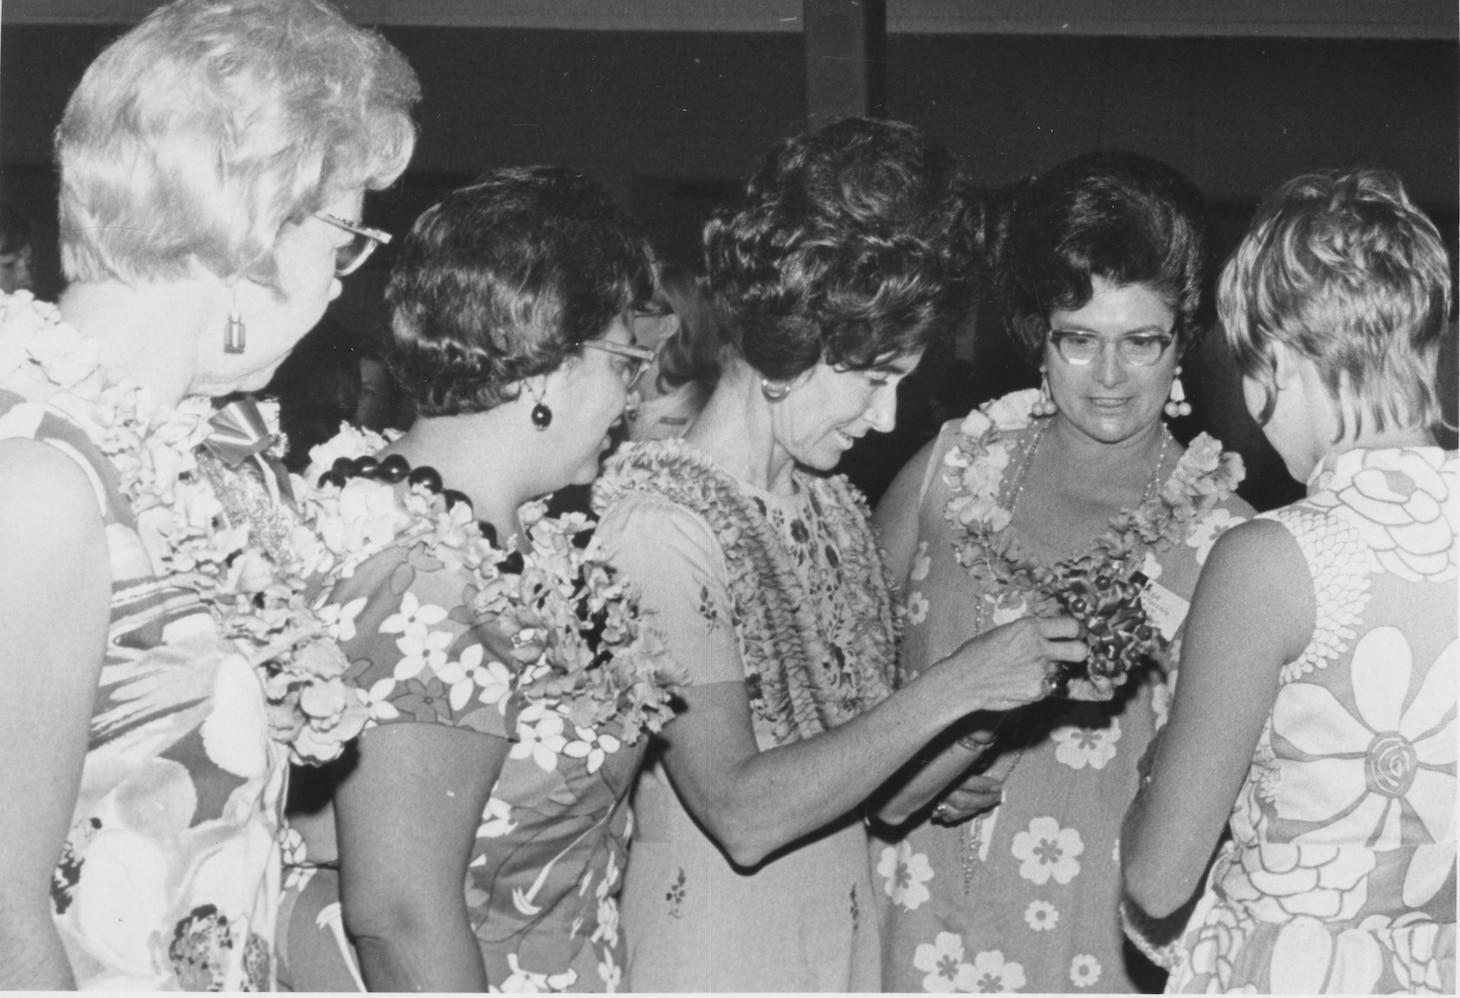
x: 1098, y: 587
x: 575, y: 626
x: 791, y: 670
x: 267, y: 600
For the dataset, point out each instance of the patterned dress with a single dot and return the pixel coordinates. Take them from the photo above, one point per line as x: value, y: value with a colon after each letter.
x: 1024, y: 897
x: 694, y: 921
x: 1340, y: 876
x: 169, y: 878
x: 542, y: 882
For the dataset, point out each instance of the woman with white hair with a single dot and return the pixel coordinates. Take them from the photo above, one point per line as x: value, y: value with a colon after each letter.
x: 161, y: 650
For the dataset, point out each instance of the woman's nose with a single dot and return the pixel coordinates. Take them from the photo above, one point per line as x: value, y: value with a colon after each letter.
x: 882, y: 414
x: 1109, y: 368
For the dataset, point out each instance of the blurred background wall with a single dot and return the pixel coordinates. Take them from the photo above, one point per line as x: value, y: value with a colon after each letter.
x: 670, y: 102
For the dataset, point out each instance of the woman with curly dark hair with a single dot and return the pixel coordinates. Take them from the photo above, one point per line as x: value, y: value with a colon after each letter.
x: 1074, y: 495
x: 510, y: 687
x: 842, y: 260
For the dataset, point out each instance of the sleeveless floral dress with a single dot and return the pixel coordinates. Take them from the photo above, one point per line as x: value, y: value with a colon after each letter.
x: 1023, y: 897
x: 1340, y: 876
x: 169, y: 878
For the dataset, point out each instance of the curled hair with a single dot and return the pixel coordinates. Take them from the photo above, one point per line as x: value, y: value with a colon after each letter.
x: 1121, y: 217
x: 693, y: 352
x: 196, y: 136
x: 504, y: 280
x: 1343, y: 269
x: 848, y: 245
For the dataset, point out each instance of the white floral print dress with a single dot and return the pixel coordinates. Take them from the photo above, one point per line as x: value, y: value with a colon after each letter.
x: 1340, y: 876
x: 169, y: 877
x: 1024, y: 899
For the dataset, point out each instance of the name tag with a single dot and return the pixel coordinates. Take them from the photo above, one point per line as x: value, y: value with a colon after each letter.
x: 1163, y: 607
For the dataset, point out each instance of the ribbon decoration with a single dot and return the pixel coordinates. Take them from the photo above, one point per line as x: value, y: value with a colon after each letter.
x: 240, y: 434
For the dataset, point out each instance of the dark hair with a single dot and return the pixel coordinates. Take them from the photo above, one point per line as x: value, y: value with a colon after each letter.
x: 693, y: 352
x: 1122, y: 217
x: 849, y: 245
x: 503, y: 280
x: 1345, y: 270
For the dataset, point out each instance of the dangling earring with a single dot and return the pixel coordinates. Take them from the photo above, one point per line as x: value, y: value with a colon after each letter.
x: 235, y: 333
x: 774, y: 391
x: 542, y: 416
x: 1177, y: 405
x: 1044, y: 405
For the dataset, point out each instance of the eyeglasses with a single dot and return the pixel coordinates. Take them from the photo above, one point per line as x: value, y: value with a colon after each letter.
x: 638, y: 358
x: 1139, y: 350
x: 353, y: 254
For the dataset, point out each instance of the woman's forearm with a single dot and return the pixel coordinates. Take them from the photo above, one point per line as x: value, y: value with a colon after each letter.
x: 31, y: 955
x: 909, y: 795
x: 431, y: 950
x: 764, y: 800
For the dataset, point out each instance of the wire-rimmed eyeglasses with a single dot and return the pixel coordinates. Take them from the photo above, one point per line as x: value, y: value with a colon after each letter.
x: 637, y: 358
x: 353, y: 254
x: 1137, y: 349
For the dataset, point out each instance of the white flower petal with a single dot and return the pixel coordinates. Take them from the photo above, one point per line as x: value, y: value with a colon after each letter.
x: 1381, y: 666
x: 1436, y: 696
x: 1339, y: 731
x: 1321, y: 789
x: 1429, y: 869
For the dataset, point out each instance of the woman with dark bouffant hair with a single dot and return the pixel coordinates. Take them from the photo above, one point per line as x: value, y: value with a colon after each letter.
x: 1074, y: 497
x: 843, y: 258
x: 511, y: 689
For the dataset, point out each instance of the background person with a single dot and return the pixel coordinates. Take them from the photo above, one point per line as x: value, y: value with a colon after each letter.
x: 680, y: 326
x: 213, y: 165
x: 749, y: 870
x: 1315, y: 717
x: 1010, y: 882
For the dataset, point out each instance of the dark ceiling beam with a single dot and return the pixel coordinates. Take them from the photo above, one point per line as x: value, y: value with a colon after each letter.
x: 1396, y: 19
x: 846, y: 59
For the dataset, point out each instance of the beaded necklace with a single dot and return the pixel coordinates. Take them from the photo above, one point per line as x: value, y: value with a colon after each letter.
x: 573, y: 624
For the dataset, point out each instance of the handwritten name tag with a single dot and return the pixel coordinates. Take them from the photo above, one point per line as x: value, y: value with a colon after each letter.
x: 1163, y: 607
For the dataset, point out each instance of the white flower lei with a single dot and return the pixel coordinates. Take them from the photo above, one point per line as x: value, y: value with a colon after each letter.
x: 576, y: 627
x: 974, y: 469
x: 271, y: 610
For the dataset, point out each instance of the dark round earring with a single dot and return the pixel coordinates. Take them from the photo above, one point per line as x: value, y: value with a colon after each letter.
x: 542, y: 416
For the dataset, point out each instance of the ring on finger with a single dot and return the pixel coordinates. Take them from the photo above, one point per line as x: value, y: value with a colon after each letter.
x: 943, y: 811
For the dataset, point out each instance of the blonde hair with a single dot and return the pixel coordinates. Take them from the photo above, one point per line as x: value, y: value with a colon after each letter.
x: 196, y: 136
x: 1346, y: 271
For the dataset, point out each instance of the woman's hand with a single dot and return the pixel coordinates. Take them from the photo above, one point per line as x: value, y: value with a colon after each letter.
x: 974, y: 795
x: 1014, y: 664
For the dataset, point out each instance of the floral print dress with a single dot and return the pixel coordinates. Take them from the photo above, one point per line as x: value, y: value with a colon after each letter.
x: 1024, y: 897
x: 542, y: 881
x: 169, y: 878
x: 1340, y: 876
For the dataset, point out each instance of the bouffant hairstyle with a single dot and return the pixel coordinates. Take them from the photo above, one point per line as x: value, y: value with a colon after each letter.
x: 693, y: 352
x: 1122, y: 217
x: 504, y: 280
x: 196, y: 136
x: 1343, y: 269
x: 849, y: 245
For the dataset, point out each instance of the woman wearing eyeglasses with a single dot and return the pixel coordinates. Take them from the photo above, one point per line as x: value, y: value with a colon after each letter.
x: 511, y: 689
x: 160, y: 650
x: 1048, y: 499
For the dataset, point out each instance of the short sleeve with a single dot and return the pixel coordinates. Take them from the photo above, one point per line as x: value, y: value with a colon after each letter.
x: 415, y: 649
x: 671, y: 554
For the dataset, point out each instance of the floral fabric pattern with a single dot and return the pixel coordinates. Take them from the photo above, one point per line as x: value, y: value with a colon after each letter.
x: 1339, y: 876
x: 1033, y: 885
x: 169, y: 876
